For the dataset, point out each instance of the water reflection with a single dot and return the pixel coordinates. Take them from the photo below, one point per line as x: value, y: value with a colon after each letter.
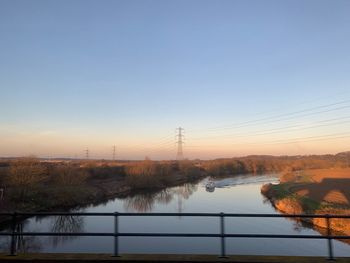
x: 300, y: 224
x: 186, y: 190
x: 66, y: 224
x: 239, y: 194
x: 145, y: 202
x: 183, y: 193
x: 140, y: 203
x: 164, y: 197
x: 23, y: 244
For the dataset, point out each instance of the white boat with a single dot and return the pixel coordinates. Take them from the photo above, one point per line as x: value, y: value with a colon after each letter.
x: 210, y: 186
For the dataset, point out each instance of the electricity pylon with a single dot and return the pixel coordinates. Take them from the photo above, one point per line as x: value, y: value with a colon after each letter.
x: 87, y: 153
x: 113, y: 152
x: 180, y: 137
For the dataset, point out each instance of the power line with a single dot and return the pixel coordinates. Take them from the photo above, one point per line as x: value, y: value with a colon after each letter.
x: 301, y: 113
x: 166, y: 139
x: 347, y: 92
x: 164, y: 145
x: 290, y: 118
x: 312, y: 138
x: 286, y: 141
x: 283, y: 129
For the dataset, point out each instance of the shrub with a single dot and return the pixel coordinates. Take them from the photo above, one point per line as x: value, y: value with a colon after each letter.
x: 66, y: 174
x: 25, y: 174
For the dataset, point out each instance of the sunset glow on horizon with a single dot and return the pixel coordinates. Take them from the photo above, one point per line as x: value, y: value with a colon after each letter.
x: 241, y: 77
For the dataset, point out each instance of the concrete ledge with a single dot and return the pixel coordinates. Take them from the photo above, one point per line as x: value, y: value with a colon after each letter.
x: 77, y: 258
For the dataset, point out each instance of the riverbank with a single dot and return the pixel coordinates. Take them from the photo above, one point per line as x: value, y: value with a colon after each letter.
x: 32, y: 185
x: 98, y: 185
x: 318, y: 191
x: 189, y: 198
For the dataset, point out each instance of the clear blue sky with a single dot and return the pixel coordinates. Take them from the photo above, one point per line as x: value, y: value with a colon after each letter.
x: 76, y: 74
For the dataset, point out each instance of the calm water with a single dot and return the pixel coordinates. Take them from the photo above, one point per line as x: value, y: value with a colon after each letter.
x: 239, y: 194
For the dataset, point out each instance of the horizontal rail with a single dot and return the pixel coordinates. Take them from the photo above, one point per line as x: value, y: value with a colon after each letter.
x: 106, y: 234
x: 177, y: 214
x: 16, y: 217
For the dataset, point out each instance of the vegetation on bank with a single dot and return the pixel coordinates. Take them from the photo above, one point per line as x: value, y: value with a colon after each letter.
x: 321, y: 191
x: 152, y: 175
x: 258, y: 164
x: 31, y: 184
x: 288, y: 201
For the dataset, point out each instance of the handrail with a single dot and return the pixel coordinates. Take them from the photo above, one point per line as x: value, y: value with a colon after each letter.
x: 222, y: 235
x: 172, y: 214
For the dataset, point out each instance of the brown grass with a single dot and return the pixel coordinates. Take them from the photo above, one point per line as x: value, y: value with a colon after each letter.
x: 325, y: 185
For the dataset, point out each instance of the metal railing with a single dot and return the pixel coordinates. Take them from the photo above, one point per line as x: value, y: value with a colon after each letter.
x: 222, y: 235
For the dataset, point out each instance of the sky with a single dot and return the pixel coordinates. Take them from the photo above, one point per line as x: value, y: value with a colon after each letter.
x: 241, y: 77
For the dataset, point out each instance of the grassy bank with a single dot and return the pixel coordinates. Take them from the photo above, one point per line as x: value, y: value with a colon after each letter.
x: 320, y: 191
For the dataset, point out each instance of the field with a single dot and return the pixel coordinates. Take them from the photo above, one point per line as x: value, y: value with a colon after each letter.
x: 324, y: 185
x: 314, y: 191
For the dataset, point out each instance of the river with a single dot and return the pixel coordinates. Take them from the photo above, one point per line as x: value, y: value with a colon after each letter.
x: 237, y: 194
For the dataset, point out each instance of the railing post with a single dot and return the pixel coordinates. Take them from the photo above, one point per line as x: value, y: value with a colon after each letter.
x: 116, y: 235
x: 329, y: 238
x: 222, y: 230
x: 13, y: 235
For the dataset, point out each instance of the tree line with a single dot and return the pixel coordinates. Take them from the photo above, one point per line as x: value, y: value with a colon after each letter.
x: 31, y: 180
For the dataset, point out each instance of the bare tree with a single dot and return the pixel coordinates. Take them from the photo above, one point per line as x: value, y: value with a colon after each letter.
x: 67, y: 174
x: 24, y: 174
